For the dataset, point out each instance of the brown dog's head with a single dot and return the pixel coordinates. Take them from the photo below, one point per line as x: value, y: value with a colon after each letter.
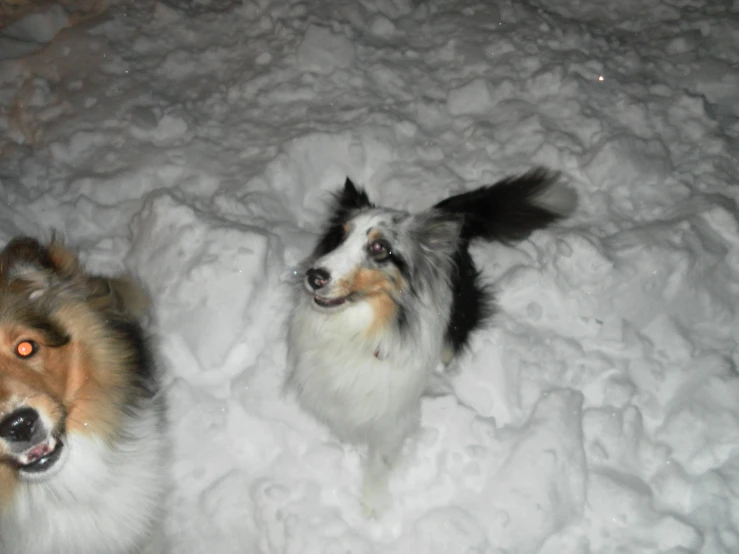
x: 66, y: 355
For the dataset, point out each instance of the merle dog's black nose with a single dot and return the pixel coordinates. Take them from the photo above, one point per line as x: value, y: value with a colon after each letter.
x: 317, y: 278
x: 19, y: 426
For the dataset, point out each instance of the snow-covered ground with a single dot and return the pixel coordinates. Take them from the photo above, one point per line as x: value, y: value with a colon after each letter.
x: 197, y: 147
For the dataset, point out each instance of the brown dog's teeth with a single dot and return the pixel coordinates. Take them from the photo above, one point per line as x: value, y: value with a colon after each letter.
x: 328, y: 302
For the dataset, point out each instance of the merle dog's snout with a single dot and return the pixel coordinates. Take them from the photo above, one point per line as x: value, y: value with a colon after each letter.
x: 19, y: 426
x: 317, y: 278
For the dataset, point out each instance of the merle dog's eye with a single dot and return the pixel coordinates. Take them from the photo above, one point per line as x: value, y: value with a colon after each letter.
x: 379, y: 250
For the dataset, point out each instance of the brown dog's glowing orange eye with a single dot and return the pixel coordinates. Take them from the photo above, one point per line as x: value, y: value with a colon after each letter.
x: 26, y: 348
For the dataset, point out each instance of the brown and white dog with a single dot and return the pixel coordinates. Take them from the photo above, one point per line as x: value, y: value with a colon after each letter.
x: 81, y: 422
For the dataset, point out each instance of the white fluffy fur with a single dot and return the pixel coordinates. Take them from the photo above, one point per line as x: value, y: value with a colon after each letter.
x: 363, y: 398
x: 103, y: 500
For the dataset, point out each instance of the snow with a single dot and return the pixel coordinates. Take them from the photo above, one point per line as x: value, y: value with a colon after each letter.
x: 323, y: 51
x: 39, y: 27
x: 476, y: 97
x: 196, y: 144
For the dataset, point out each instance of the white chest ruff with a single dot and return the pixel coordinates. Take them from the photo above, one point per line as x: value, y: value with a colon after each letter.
x: 359, y: 386
x: 103, y: 501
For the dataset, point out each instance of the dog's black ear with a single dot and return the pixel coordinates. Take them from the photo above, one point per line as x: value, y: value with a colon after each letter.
x: 352, y: 198
x: 349, y: 200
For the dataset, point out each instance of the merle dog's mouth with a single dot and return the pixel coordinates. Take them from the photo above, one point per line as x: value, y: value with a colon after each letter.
x: 324, y: 302
x: 40, y: 458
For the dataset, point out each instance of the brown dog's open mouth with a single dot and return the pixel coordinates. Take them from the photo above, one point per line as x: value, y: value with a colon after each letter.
x: 329, y: 302
x: 41, y: 457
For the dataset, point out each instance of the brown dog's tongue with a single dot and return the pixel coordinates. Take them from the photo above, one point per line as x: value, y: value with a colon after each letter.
x: 38, y: 452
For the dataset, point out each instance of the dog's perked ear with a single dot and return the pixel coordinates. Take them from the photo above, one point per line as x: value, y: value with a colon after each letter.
x: 28, y: 267
x: 26, y: 264
x: 352, y: 198
x: 349, y: 200
x: 439, y: 233
x: 23, y: 255
x: 124, y: 295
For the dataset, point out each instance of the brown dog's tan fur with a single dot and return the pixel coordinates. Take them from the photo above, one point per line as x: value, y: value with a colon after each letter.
x: 81, y: 375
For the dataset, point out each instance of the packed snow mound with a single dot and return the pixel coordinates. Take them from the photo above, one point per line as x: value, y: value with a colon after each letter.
x: 196, y: 144
x: 209, y: 270
x: 38, y: 26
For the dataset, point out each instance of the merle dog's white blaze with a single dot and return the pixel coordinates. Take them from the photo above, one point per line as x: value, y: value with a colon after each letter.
x: 369, y: 329
x: 344, y: 262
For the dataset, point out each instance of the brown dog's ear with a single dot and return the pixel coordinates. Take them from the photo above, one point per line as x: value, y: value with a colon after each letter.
x: 26, y: 264
x: 26, y: 255
x: 29, y: 267
x: 21, y: 255
x: 123, y: 295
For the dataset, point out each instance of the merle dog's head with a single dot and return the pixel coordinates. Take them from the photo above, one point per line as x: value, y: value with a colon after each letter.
x: 378, y: 255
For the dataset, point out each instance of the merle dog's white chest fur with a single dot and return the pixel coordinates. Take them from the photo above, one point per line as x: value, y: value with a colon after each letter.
x: 365, y: 390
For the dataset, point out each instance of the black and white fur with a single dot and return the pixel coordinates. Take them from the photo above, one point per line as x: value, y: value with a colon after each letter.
x: 387, y: 295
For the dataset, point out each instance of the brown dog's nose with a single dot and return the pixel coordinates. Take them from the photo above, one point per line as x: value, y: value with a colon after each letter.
x: 19, y: 425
